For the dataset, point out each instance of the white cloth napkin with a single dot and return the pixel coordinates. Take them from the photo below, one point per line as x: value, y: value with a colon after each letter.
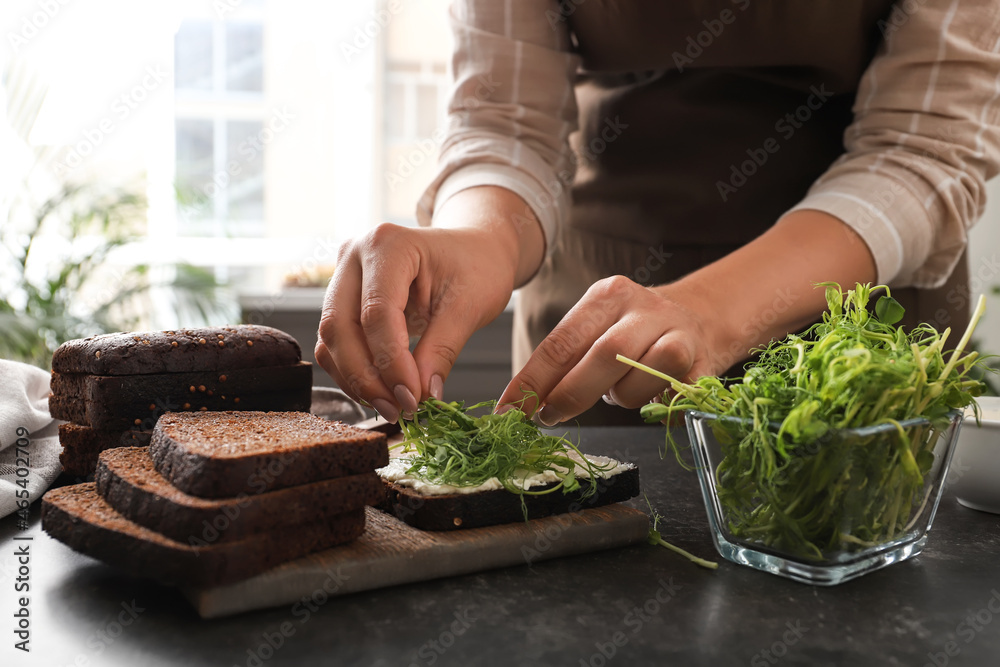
x: 24, y: 415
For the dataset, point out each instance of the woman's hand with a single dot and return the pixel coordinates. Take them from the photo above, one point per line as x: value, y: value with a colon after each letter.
x: 699, y: 325
x: 575, y: 365
x: 440, y: 283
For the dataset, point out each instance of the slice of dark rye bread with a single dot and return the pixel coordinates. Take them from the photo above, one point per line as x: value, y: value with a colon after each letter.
x: 144, y: 415
x: 488, y: 508
x: 79, y: 517
x: 224, y: 454
x: 143, y: 394
x: 179, y: 351
x: 81, y: 445
x: 127, y: 480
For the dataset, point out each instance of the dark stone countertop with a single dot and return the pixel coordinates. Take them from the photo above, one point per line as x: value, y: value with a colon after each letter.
x: 660, y: 608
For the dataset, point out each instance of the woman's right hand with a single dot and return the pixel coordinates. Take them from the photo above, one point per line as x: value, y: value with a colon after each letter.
x: 439, y: 283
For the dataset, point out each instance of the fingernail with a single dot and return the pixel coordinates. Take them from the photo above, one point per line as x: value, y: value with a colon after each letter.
x: 405, y: 398
x: 503, y: 408
x: 436, y: 387
x: 607, y: 399
x: 386, y: 409
x: 549, y: 416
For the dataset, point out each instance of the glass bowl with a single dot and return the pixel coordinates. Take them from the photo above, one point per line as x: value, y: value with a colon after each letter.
x: 849, y: 503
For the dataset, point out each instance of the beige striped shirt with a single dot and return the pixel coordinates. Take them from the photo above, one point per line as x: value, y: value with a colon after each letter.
x: 924, y: 140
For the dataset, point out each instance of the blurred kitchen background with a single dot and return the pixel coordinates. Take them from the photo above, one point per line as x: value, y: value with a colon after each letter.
x: 171, y: 164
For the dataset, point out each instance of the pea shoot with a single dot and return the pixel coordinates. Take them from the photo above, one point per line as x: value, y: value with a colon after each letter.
x: 452, y: 446
x: 793, y: 476
x: 656, y: 539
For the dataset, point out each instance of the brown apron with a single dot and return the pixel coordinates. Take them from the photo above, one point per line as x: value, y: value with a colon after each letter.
x: 675, y: 96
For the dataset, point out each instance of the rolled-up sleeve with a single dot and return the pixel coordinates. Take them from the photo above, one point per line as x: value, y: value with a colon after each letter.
x: 924, y: 140
x: 512, y: 108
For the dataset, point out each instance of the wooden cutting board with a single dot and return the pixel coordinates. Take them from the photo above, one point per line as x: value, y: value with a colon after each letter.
x: 391, y: 553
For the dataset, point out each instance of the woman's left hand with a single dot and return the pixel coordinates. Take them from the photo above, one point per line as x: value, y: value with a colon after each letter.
x: 575, y: 365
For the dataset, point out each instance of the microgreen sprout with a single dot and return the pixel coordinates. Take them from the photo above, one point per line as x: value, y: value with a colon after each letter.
x: 656, y: 539
x: 451, y: 446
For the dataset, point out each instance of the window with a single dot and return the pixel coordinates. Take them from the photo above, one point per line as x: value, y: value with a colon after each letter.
x: 414, y: 101
x: 244, y: 57
x: 219, y: 85
x: 297, y: 127
x: 219, y: 57
x: 415, y: 109
x: 195, y: 159
x: 193, y: 56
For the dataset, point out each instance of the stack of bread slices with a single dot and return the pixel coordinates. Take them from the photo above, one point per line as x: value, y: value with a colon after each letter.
x: 221, y: 496
x: 112, y: 388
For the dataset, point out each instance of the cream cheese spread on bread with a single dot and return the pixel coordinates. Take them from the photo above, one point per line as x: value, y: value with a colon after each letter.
x: 396, y: 472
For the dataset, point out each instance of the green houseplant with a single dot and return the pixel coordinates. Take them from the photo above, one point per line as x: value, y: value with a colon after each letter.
x: 57, y: 280
x: 58, y: 284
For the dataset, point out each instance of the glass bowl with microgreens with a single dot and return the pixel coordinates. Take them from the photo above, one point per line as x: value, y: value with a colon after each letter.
x: 826, y: 460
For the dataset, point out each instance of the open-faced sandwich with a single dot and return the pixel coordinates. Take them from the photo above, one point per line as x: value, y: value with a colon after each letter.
x: 455, y: 470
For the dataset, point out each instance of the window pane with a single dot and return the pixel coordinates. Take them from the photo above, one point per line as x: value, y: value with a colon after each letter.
x: 245, y: 165
x: 427, y: 109
x: 395, y: 110
x: 193, y: 56
x: 194, y: 167
x: 244, y: 57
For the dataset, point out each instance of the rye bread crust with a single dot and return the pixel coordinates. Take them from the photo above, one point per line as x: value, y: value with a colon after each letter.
x: 144, y: 414
x: 79, y: 517
x: 488, y: 508
x: 179, y: 351
x: 129, y: 483
x: 81, y: 446
x: 224, y: 454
